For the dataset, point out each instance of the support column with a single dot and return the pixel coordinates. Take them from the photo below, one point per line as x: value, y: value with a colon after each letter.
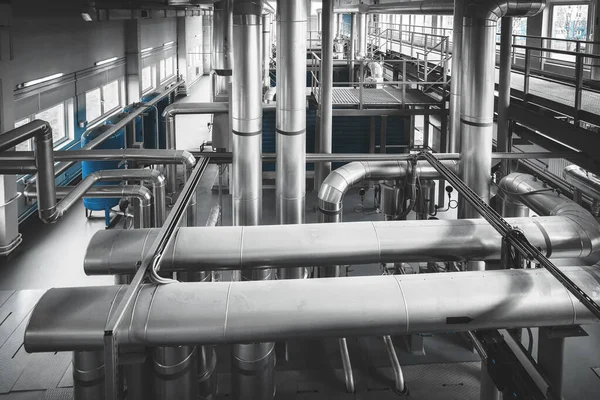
x: 455, y: 86
x: 133, y: 66
x: 9, y: 228
x: 207, y: 21
x: 326, y: 103
x: 222, y: 46
x: 504, y: 139
x: 361, y: 22
x: 291, y: 118
x: 352, y: 50
x: 266, y: 51
x: 252, y: 364
x: 551, y: 349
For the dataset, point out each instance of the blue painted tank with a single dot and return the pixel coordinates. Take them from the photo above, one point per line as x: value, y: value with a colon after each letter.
x: 150, y: 123
x: 117, y: 141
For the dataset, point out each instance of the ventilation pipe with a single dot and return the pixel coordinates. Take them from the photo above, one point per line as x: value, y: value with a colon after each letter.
x: 266, y: 51
x: 583, y: 180
x: 242, y: 312
x: 325, y: 132
x: 222, y: 46
x: 455, y: 81
x: 361, y: 22
x: 477, y: 99
x: 291, y: 117
x: 253, y: 363
x: 335, y: 186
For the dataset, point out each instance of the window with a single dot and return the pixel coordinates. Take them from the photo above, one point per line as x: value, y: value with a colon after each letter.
x: 61, y: 119
x: 25, y: 146
x: 166, y: 68
x: 148, y: 81
x: 93, y: 104
x: 570, y: 23
x: 102, y: 101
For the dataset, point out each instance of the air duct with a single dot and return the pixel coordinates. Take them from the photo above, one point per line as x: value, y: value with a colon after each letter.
x: 252, y: 363
x: 291, y: 117
x: 583, y: 180
x: 68, y: 319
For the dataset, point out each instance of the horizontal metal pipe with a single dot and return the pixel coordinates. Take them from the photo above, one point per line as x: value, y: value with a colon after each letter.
x: 428, y: 7
x: 254, y: 247
x: 62, y: 167
x: 583, y: 180
x: 335, y: 186
x: 68, y: 319
x: 158, y: 188
x: 347, y: 157
x: 143, y: 196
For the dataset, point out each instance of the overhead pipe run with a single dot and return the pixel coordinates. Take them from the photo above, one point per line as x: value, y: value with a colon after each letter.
x: 428, y: 7
x: 583, y: 180
x: 290, y: 168
x: 236, y: 312
x: 254, y: 247
x: 335, y: 186
x: 142, y: 214
x: 41, y: 132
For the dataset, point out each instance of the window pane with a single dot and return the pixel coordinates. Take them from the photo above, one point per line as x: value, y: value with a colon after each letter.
x: 93, y: 105
x: 25, y: 146
x: 147, y: 82
x: 169, y: 62
x: 56, y: 118
x: 111, y: 96
x: 568, y: 22
x: 162, y: 70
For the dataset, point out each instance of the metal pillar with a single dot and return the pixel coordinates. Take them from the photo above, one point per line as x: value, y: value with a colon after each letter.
x: 551, y: 348
x: 291, y: 118
x: 455, y: 85
x: 361, y: 22
x: 266, y: 51
x: 326, y: 103
x: 252, y: 364
x: 88, y: 375
x: 352, y: 49
x: 504, y: 143
x: 207, y: 21
x: 222, y: 46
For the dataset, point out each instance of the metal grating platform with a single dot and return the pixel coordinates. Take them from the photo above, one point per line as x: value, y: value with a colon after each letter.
x: 374, y: 98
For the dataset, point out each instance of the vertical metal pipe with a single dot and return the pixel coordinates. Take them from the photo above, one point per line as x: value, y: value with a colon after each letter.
x: 477, y: 108
x: 455, y: 82
x: 361, y: 22
x: 222, y: 46
x: 352, y: 50
x: 253, y: 364
x: 88, y: 375
x: 175, y: 373
x: 171, y: 144
x: 326, y: 118
x: 46, y: 189
x: 266, y: 50
x: 206, y: 42
x: 291, y: 118
x: 503, y: 137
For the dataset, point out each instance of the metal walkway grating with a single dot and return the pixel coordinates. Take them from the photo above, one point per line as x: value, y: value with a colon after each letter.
x: 372, y: 98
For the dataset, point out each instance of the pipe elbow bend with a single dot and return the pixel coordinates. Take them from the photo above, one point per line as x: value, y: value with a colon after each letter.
x: 169, y: 111
x: 50, y: 215
x: 187, y: 158
x: 144, y: 195
x: 158, y: 179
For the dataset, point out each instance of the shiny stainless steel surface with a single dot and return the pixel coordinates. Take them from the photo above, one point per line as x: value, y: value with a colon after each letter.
x: 222, y: 62
x: 455, y: 82
x: 143, y: 204
x: 398, y: 376
x: 253, y: 247
x: 361, y: 23
x: 429, y: 7
x: 207, y: 32
x: 243, y: 312
x: 175, y: 372
x: 503, y: 141
x: 88, y: 375
x: 335, y: 186
x: 583, y: 180
x: 325, y: 133
x: 266, y: 50
x: 253, y: 375
x: 290, y: 167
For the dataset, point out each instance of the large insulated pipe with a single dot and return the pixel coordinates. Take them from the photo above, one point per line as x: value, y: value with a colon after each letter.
x: 142, y: 215
x: 243, y: 312
x: 222, y: 44
x: 583, y: 180
x: 247, y: 248
x: 427, y: 7
x: 41, y: 132
x: 291, y: 117
x: 335, y: 186
x: 266, y: 50
x: 361, y: 22
x: 477, y: 98
x: 323, y: 169
x: 455, y: 85
x: 253, y: 364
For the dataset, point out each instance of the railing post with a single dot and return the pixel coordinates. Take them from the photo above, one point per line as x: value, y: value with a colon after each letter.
x: 527, y: 73
x: 403, y: 83
x: 514, y: 55
x: 578, y: 82
x: 412, y: 43
x: 361, y: 80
